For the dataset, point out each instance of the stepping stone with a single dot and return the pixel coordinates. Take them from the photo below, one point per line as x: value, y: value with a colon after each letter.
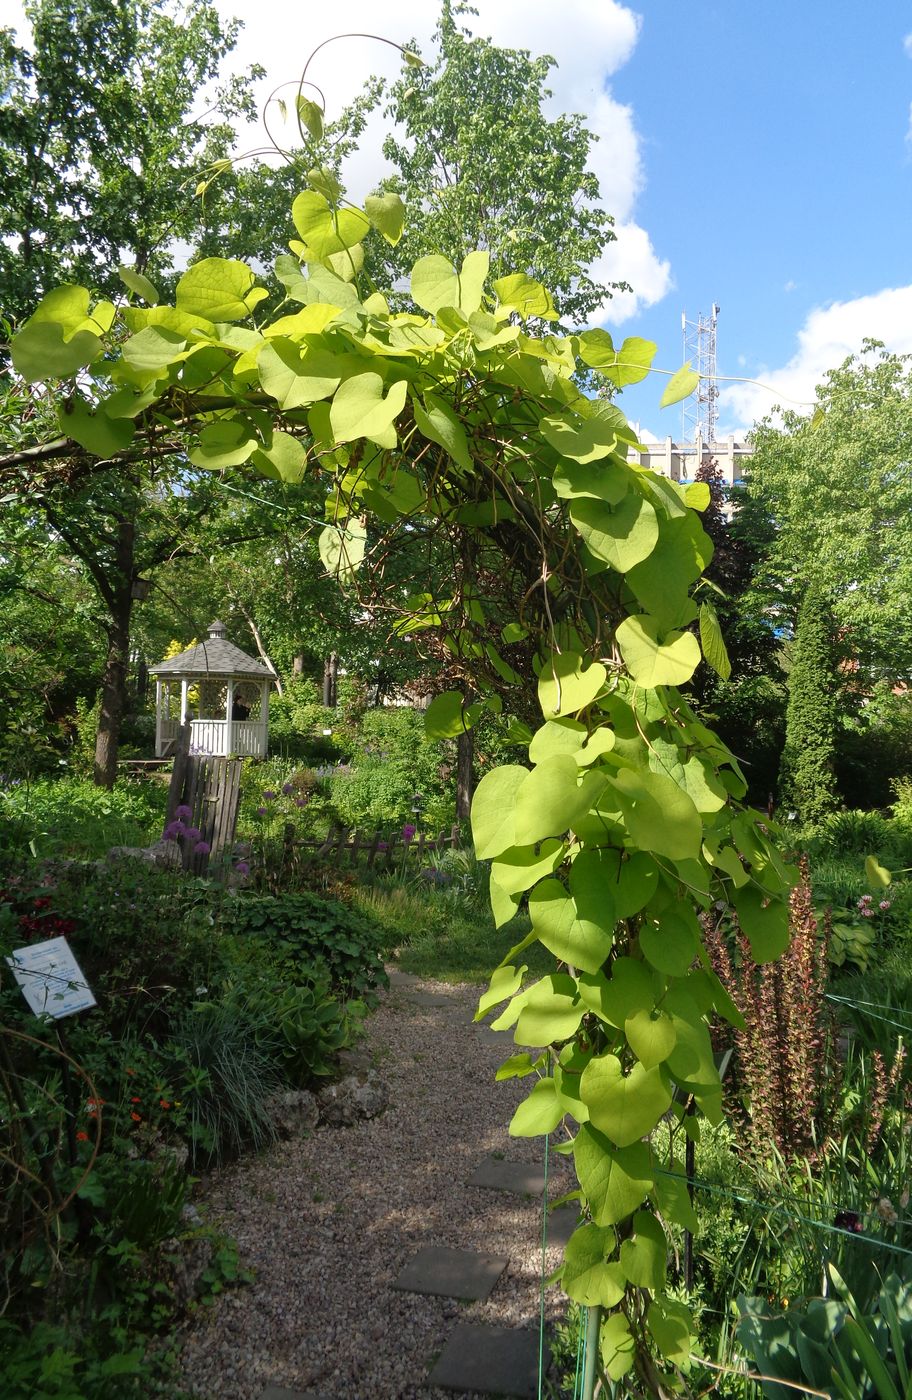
x: 401, y: 979
x: 278, y: 1392
x: 517, y: 1177
x: 491, y: 1360
x: 452, y: 1273
x: 427, y: 999
x: 561, y: 1224
x: 489, y: 1037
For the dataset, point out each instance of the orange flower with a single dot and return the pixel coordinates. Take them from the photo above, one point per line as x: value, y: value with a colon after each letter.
x: 82, y: 1137
x: 137, y: 1117
x: 135, y: 1100
x: 164, y: 1103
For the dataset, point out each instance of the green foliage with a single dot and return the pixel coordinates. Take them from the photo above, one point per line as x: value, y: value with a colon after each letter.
x: 303, y: 929
x: 807, y: 777
x: 73, y: 818
x: 393, y: 761
x: 627, y: 819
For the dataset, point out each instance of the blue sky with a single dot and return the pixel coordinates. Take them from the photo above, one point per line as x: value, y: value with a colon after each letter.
x: 755, y: 155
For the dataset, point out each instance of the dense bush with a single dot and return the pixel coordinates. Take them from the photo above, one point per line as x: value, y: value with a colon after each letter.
x: 393, y: 762
x: 304, y: 930
x: 67, y: 816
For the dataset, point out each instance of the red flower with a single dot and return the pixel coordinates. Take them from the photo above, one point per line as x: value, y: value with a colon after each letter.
x: 137, y: 1117
x: 82, y: 1137
x: 135, y: 1100
x: 164, y: 1103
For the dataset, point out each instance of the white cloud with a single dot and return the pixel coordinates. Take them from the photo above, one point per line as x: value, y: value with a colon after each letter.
x: 790, y: 286
x: 590, y: 40
x: 907, y: 45
x: 829, y: 334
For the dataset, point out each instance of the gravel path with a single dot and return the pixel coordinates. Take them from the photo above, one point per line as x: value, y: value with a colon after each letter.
x: 327, y: 1222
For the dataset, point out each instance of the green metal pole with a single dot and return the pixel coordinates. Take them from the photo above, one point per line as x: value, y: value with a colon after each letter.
x: 593, y: 1323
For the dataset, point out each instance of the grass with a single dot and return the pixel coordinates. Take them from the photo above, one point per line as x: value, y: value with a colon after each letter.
x: 437, y: 936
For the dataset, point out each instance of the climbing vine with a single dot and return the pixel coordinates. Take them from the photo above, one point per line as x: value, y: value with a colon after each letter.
x: 562, y: 586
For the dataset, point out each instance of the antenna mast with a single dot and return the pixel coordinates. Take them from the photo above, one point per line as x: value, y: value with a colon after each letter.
x: 700, y: 411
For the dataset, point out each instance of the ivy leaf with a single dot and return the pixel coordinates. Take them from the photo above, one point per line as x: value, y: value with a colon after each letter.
x: 525, y: 296
x: 342, y: 550
x: 670, y: 942
x: 311, y: 116
x: 587, y: 1277
x: 651, y: 1037
x: 437, y: 422
x: 659, y: 815
x: 492, y: 810
x: 564, y: 736
x: 359, y: 409
x: 139, y: 285
x: 551, y: 1012
x: 615, y: 1180
x: 225, y: 443
x: 712, y: 641
x: 582, y: 440
x: 387, y: 215
x: 323, y: 230
x: 434, y: 283
x: 652, y: 662
x: 297, y: 378
x: 680, y: 385
x: 552, y: 799
x: 564, y: 687
x: 221, y: 289
x: 538, y: 1114
x: 643, y: 1256
x: 557, y: 925
x: 624, y: 1107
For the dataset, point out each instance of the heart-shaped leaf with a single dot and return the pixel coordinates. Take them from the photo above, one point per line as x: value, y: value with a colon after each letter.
x: 492, y: 810
x: 652, y: 661
x: 565, y: 686
x: 615, y: 1180
x: 573, y: 940
x: 587, y: 1276
x: 624, y: 1107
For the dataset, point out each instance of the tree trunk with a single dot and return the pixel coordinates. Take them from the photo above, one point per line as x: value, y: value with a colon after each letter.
x: 297, y: 664
x: 114, y: 681
x: 465, y: 778
x: 330, y: 675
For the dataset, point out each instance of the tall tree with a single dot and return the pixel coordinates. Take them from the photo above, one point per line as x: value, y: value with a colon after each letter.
x: 103, y: 129
x: 839, y: 490
x: 807, y: 780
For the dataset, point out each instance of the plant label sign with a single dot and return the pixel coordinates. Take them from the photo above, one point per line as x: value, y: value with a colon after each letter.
x: 51, y: 979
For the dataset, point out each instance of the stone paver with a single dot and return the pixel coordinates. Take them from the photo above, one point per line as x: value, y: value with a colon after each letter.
x: 490, y: 1360
x: 452, y: 1273
x: 561, y: 1224
x: 278, y: 1392
x: 516, y: 1177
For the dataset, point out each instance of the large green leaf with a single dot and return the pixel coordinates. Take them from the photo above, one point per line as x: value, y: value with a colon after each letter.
x: 565, y: 687
x: 285, y: 457
x: 712, y: 641
x: 617, y: 1346
x: 93, y: 429
x: 651, y: 661
x: 643, y: 1255
x: 360, y: 409
x: 59, y: 339
x: 765, y: 921
x: 434, y: 283
x: 673, y: 1201
x: 493, y: 829
x: 225, y: 443
x: 526, y: 297
x: 221, y: 289
x: 660, y: 816
x: 552, y: 799
x: 581, y: 439
x: 637, y: 879
x: 615, y: 1180
x: 551, y: 1011
x: 587, y: 1277
x: 623, y: 535
x: 680, y: 386
x: 651, y: 1037
x: 624, y: 1107
x: 592, y: 876
x: 323, y: 230
x: 670, y: 941
x: 521, y: 867
x: 138, y: 284
x: 296, y: 377
x: 342, y: 548
x: 671, y: 1326
x: 387, y: 214
x: 661, y: 582
x: 555, y: 922
x: 449, y: 715
x: 437, y: 421
x: 603, y: 481
x: 505, y: 983
x: 538, y: 1114
x: 561, y: 736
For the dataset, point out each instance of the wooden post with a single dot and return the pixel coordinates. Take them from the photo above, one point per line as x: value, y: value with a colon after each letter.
x: 178, y: 773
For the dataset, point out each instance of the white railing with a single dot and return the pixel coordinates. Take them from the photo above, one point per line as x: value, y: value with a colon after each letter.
x: 216, y: 737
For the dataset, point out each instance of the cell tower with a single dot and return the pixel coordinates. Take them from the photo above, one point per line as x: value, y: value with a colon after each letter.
x: 700, y: 411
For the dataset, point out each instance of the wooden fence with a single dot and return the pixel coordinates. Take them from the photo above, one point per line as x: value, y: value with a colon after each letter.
x: 342, y: 843
x: 210, y: 787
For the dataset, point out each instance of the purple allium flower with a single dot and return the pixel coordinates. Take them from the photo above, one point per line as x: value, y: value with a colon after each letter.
x: 408, y: 831
x: 382, y: 846
x: 183, y: 811
x: 300, y: 801
x: 269, y: 795
x: 242, y: 868
x: 202, y: 848
x: 287, y: 789
x: 261, y: 811
x: 193, y: 833
x: 173, y: 830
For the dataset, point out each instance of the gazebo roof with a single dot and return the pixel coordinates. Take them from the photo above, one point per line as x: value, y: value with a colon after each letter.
x: 216, y: 656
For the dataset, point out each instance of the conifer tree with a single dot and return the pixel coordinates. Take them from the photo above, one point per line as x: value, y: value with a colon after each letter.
x: 807, y: 780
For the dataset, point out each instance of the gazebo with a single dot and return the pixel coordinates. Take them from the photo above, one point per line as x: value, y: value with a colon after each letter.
x: 221, y: 691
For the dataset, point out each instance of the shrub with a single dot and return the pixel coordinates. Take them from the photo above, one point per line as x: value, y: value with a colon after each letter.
x: 304, y: 930
x: 807, y: 776
x: 71, y: 817
x: 393, y: 761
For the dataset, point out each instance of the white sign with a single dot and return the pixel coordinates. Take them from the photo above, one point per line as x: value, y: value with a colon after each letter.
x: 51, y: 979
